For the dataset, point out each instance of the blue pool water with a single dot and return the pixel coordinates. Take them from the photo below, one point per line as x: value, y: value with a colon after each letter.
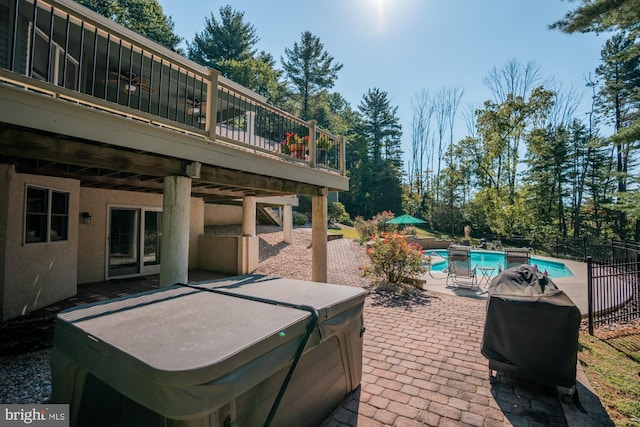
x: 555, y: 269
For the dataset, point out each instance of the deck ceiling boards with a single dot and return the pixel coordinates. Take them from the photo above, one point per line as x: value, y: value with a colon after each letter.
x: 101, y: 166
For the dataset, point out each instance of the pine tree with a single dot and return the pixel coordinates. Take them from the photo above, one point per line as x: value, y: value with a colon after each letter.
x: 228, y: 39
x: 619, y: 97
x: 144, y: 16
x: 623, y: 17
x: 378, y: 171
x: 309, y: 69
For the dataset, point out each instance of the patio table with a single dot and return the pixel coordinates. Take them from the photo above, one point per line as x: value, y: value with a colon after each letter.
x: 486, y: 273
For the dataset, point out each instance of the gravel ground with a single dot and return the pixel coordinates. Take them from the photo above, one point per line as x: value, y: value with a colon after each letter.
x: 26, y: 378
x: 275, y: 254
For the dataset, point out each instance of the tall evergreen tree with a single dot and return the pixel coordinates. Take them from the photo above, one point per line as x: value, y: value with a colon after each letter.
x: 381, y: 126
x: 230, y: 38
x: 143, y: 16
x: 622, y: 16
x: 618, y: 101
x: 258, y: 74
x: 310, y: 69
x: 376, y: 176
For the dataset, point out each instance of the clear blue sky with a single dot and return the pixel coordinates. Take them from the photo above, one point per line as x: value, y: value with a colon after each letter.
x: 406, y: 46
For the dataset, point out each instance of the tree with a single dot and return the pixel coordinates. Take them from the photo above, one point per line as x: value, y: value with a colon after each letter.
x: 258, y: 74
x: 309, y: 69
x: 423, y: 109
x: 618, y: 101
x: 446, y: 107
x: 379, y: 172
x: 623, y: 17
x: 501, y: 129
x: 143, y: 16
x: 228, y: 39
x: 514, y: 79
x: 602, y: 15
x: 381, y: 126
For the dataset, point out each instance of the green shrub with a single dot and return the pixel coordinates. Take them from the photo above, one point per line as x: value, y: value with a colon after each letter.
x: 337, y: 213
x: 299, y: 218
x: 394, y: 261
x: 366, y: 228
x: 346, y: 221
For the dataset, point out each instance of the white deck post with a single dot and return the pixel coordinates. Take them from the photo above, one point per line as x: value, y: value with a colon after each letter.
x: 287, y: 224
x: 248, y: 247
x: 249, y: 216
x: 313, y: 125
x: 251, y: 126
x: 176, y: 202
x: 212, y: 104
x: 319, y: 230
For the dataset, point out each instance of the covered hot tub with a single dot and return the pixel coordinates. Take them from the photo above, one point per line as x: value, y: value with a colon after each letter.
x: 211, y: 354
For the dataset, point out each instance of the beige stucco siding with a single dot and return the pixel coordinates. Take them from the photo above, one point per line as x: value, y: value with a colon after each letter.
x: 35, y: 274
x: 92, y: 254
x: 222, y: 214
x: 92, y: 238
x: 196, y: 229
x: 5, y: 178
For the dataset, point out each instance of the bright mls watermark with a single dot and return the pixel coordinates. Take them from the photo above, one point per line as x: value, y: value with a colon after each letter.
x: 34, y: 415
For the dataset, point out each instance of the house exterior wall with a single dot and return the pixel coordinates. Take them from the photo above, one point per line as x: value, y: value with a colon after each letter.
x: 230, y: 254
x: 220, y: 253
x: 222, y: 214
x: 37, y: 274
x: 92, y: 253
x: 6, y: 173
x: 196, y: 229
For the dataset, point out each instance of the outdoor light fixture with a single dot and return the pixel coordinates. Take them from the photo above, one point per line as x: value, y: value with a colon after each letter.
x: 129, y: 88
x: 193, y: 110
x: 86, y: 218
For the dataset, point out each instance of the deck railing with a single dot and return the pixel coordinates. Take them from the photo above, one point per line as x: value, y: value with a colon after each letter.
x: 67, y: 51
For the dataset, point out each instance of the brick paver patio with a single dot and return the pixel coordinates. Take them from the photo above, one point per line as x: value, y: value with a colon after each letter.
x: 422, y: 364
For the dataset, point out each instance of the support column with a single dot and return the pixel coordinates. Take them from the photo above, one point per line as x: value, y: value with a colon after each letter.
x: 251, y: 126
x: 249, y: 216
x: 176, y: 201
x: 319, y: 231
x: 248, y: 243
x: 287, y: 224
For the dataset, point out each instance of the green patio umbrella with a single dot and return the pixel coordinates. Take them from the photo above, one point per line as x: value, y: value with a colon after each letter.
x: 406, y: 220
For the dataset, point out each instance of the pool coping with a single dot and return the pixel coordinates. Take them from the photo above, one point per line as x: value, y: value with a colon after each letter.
x: 575, y: 287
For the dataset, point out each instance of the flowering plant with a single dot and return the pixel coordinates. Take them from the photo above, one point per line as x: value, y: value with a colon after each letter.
x: 323, y: 142
x: 393, y: 260
x: 293, y: 138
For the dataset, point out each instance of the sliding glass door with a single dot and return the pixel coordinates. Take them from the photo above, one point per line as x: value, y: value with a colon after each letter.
x: 134, y: 241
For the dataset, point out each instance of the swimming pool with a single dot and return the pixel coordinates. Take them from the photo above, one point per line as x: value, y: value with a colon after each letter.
x: 480, y: 258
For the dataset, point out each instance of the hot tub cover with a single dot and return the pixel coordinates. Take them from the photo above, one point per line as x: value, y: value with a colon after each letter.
x: 182, y: 352
x: 531, y: 327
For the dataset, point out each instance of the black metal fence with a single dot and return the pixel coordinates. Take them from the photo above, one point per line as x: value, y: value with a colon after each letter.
x: 613, y: 288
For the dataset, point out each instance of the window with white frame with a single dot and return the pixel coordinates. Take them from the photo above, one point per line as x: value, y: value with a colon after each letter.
x: 63, y: 67
x: 46, y: 215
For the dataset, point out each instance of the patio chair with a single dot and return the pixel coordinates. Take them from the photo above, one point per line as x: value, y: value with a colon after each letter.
x: 514, y: 257
x: 460, y: 271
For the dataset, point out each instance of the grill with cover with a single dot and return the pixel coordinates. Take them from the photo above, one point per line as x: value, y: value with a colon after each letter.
x: 531, y: 328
